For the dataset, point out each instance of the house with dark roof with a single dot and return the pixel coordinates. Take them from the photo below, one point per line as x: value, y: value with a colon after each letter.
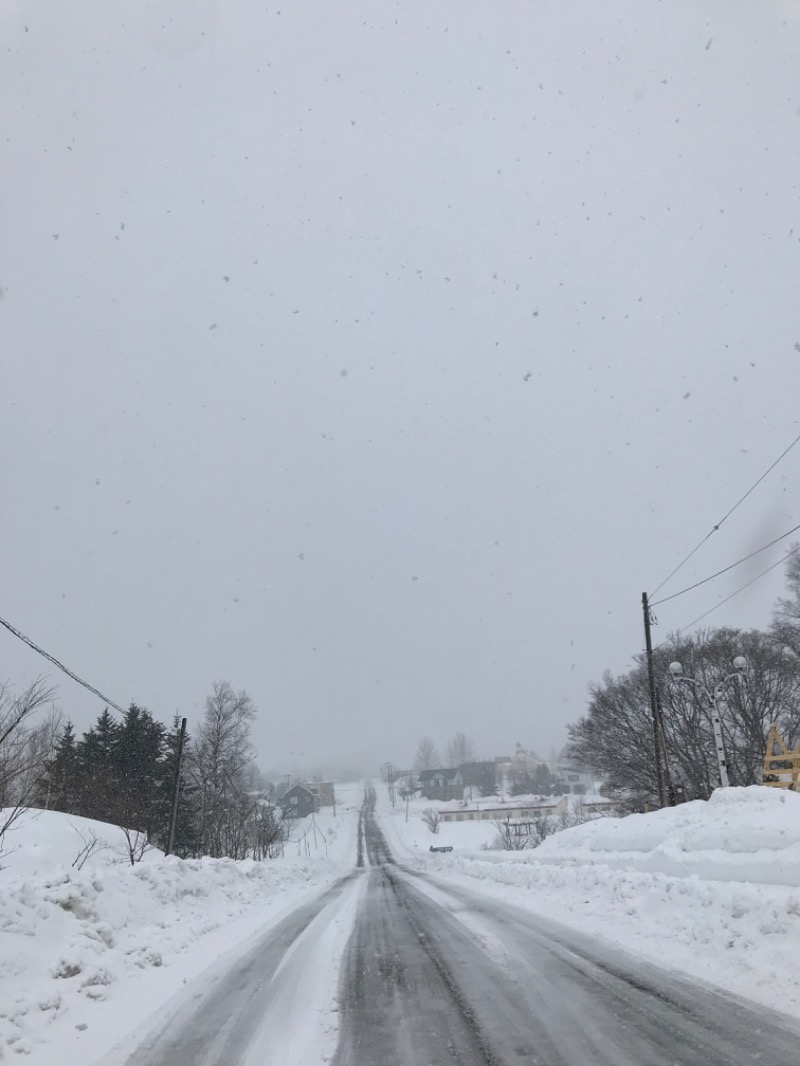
x: 298, y: 802
x: 442, y: 784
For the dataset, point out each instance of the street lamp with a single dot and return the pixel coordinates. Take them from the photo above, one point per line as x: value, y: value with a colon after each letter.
x: 713, y: 701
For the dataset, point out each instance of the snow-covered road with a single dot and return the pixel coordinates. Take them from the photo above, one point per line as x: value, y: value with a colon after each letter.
x: 270, y: 1008
x: 396, y: 966
x: 450, y: 972
x: 441, y: 974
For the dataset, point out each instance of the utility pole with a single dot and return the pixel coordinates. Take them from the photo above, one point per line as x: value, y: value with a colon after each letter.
x: 174, y: 820
x: 390, y: 780
x: 660, y: 747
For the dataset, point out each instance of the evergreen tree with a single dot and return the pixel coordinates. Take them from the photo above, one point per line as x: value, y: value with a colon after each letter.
x: 544, y: 783
x: 137, y: 756
x: 488, y: 788
x: 97, y: 785
x: 522, y: 784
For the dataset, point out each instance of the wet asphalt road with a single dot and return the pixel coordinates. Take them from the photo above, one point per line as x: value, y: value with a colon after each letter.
x: 462, y: 979
x: 436, y: 975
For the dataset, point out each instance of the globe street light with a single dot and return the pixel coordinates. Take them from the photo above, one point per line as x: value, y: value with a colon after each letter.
x: 713, y: 700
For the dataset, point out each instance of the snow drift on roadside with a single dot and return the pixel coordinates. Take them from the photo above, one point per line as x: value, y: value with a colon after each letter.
x: 740, y: 834
x: 86, y: 954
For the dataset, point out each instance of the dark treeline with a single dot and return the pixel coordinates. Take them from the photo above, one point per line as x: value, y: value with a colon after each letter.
x: 124, y: 772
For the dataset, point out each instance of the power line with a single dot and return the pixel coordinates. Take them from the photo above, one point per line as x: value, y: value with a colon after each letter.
x: 716, y: 527
x: 741, y: 589
x: 55, y: 662
x: 744, y: 559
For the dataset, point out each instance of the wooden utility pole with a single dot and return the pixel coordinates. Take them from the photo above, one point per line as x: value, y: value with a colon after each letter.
x: 174, y: 820
x: 390, y: 780
x: 660, y: 747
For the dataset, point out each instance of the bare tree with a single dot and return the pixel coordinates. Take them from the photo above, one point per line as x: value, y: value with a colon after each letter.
x: 615, y: 735
x: 579, y: 814
x: 507, y: 838
x: 432, y: 817
x: 90, y: 845
x: 217, y: 765
x: 460, y: 750
x: 24, y: 748
x: 427, y: 757
x: 540, y: 827
x: 136, y: 845
x: 268, y: 831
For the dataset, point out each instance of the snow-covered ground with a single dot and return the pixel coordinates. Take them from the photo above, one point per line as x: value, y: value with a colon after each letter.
x: 709, y: 889
x: 89, y: 954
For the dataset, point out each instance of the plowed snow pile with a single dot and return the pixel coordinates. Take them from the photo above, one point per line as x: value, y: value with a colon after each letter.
x: 86, y: 953
x: 741, y: 834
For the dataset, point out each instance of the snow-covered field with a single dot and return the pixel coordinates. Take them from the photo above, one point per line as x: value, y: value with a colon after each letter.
x: 87, y: 955
x: 709, y: 889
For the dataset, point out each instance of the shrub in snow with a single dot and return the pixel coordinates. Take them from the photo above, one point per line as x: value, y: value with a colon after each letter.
x: 431, y: 817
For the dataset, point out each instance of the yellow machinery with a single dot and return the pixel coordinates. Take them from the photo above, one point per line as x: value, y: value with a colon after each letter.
x: 781, y: 766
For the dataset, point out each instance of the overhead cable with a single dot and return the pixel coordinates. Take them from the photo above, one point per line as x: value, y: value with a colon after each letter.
x: 64, y: 669
x: 758, y: 577
x: 716, y: 527
x: 744, y: 559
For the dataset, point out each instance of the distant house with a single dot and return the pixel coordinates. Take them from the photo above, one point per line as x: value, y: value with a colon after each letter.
x: 323, y: 791
x: 576, y: 781
x: 519, y: 767
x: 441, y: 784
x: 298, y: 802
x: 523, y: 762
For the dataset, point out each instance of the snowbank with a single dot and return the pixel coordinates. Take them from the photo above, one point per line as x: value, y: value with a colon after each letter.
x: 740, y: 834
x: 708, y: 889
x: 87, y: 954
x: 43, y: 840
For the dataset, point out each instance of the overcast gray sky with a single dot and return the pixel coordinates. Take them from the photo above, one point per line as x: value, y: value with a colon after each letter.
x: 375, y: 357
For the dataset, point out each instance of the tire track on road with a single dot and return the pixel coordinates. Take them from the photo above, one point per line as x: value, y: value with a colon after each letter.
x: 438, y: 974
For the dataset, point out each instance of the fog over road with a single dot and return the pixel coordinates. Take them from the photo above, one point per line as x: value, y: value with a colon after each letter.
x: 435, y: 974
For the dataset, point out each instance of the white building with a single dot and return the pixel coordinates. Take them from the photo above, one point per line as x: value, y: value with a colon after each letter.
x: 551, y: 805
